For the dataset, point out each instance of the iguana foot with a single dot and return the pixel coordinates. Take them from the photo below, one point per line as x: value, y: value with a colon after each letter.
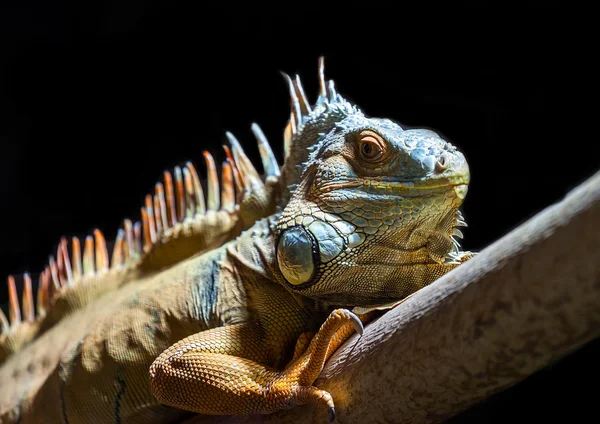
x: 293, y: 386
x: 212, y: 373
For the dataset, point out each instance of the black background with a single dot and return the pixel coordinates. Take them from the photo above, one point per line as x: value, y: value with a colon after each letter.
x: 97, y: 98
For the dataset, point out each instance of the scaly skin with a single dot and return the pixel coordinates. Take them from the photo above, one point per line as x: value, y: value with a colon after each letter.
x: 368, y: 221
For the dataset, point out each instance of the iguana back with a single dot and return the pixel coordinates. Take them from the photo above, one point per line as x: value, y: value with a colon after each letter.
x: 233, y: 307
x: 85, y: 297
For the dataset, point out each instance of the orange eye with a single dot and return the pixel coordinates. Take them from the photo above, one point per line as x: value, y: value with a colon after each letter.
x: 371, y: 146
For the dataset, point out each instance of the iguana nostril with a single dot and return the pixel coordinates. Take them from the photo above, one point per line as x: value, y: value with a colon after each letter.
x: 442, y: 162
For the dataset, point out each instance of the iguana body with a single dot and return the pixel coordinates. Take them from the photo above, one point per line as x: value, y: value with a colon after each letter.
x: 227, y: 329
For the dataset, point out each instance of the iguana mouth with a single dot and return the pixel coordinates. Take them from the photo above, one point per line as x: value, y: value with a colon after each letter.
x: 409, y: 189
x: 420, y: 184
x: 429, y: 182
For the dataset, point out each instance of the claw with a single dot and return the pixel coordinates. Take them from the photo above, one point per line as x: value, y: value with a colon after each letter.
x: 331, y: 414
x: 356, y: 323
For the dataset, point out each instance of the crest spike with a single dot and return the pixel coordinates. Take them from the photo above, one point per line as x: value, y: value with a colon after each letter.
x: 288, y: 135
x: 322, y: 87
x: 28, y: 307
x: 304, y: 103
x: 117, y: 254
x: 146, y: 230
x: 4, y: 326
x: 247, y: 169
x: 43, y: 294
x: 266, y: 153
x: 51, y: 289
x: 129, y: 238
x: 101, y: 251
x: 162, y: 206
x: 88, y: 258
x: 137, y: 237
x: 157, y: 216
x: 54, y: 274
x: 76, y: 259
x: 237, y: 173
x: 179, y: 194
x: 190, y: 199
x: 64, y: 251
x: 296, y: 115
x: 170, y: 199
x: 331, y: 90
x: 199, y: 194
x: 151, y: 224
x: 60, y: 266
x: 14, y: 309
x: 212, y: 199
x: 227, y: 189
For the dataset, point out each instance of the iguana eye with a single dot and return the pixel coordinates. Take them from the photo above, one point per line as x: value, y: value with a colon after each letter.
x: 371, y: 146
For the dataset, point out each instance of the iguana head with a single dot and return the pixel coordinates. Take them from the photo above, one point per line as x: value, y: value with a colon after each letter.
x: 374, y: 212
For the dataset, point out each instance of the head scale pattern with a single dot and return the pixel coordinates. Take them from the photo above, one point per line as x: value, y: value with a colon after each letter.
x: 399, y: 197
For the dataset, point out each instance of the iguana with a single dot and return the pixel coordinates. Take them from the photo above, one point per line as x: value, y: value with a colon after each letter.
x: 233, y: 306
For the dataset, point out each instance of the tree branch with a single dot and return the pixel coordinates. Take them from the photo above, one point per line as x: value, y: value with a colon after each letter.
x: 525, y: 301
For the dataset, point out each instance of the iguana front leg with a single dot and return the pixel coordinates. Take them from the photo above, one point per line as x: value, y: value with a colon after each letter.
x: 224, y: 371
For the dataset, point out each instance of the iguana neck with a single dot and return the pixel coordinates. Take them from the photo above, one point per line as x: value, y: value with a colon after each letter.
x: 253, y: 257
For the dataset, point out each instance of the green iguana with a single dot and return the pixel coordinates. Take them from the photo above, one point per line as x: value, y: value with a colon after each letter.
x: 233, y: 305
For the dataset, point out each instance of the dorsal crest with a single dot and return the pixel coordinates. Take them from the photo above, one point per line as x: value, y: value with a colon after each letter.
x: 308, y: 125
x: 178, y: 219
